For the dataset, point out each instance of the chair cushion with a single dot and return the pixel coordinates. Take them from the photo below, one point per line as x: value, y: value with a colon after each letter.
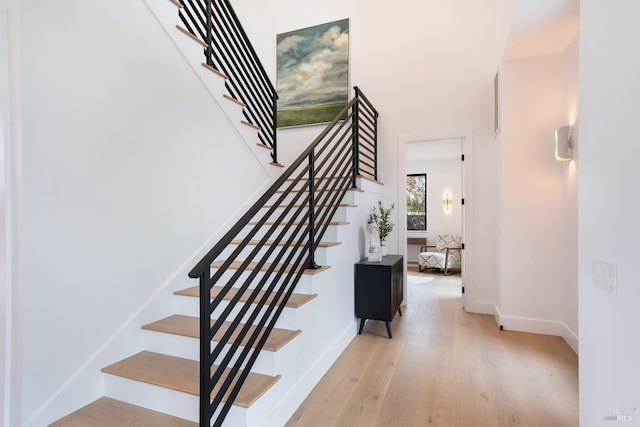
x: 431, y: 259
x: 448, y: 241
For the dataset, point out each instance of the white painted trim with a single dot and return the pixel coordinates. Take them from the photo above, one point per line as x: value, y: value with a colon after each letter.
x: 11, y: 315
x: 537, y: 326
x: 5, y: 248
x: 466, y: 135
x: 527, y: 324
x: 480, y: 307
x: 570, y: 337
x: 287, y: 405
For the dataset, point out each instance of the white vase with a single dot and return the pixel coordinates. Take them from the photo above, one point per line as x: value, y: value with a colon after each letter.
x: 384, y: 250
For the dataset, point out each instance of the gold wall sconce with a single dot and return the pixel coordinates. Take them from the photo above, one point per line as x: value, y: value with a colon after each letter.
x: 447, y: 201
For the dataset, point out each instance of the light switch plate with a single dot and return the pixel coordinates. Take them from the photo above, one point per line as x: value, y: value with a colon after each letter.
x: 604, y: 275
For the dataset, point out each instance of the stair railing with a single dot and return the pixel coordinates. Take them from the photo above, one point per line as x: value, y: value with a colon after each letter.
x: 229, y: 51
x: 277, y: 237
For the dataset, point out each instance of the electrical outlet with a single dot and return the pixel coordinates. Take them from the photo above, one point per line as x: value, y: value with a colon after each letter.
x: 604, y: 275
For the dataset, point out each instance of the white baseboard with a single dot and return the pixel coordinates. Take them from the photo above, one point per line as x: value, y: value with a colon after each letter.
x: 284, y: 409
x: 570, y: 337
x: 524, y: 324
x: 480, y: 307
x: 538, y: 326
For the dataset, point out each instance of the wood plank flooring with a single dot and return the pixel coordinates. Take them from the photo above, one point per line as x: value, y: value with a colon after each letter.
x: 445, y: 367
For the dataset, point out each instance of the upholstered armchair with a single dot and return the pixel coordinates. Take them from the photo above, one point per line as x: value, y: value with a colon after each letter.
x: 445, y: 255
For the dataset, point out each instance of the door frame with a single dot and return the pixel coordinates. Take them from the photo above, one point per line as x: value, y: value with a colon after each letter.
x: 10, y: 203
x: 466, y: 137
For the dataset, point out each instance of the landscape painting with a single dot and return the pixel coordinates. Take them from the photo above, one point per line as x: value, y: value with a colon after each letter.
x: 313, y: 73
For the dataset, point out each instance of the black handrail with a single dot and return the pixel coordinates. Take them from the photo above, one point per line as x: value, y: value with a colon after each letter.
x: 288, y: 222
x: 230, y: 52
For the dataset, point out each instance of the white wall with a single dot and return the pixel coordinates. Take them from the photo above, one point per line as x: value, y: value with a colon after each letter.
x: 608, y: 209
x: 570, y: 297
x: 443, y: 176
x: 5, y: 231
x: 428, y: 66
x: 532, y: 189
x: 129, y: 169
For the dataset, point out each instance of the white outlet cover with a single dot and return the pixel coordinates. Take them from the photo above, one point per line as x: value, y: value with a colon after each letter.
x: 604, y: 275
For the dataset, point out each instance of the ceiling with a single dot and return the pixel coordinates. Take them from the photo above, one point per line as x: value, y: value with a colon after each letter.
x: 542, y: 27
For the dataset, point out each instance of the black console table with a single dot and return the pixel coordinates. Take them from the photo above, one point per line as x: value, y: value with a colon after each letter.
x: 378, y: 290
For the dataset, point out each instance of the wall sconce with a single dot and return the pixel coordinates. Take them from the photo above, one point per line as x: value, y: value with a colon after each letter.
x: 564, y: 143
x: 447, y: 201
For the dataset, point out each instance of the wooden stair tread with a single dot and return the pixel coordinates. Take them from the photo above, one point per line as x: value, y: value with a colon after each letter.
x: 180, y: 374
x: 251, y: 125
x: 191, y: 36
x: 323, y: 179
x: 295, y: 301
x: 106, y: 412
x: 342, y: 205
x: 253, y: 265
x: 298, y: 222
x: 190, y: 327
x: 318, y: 191
x: 270, y: 243
x: 215, y: 71
x: 340, y: 177
x: 235, y: 101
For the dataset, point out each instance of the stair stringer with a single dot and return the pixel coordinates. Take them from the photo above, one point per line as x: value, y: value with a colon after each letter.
x: 167, y: 15
x: 328, y: 324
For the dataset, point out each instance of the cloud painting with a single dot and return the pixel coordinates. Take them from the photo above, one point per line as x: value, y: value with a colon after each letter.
x: 313, y: 70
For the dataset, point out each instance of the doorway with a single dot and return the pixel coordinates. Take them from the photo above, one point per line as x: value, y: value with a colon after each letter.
x: 451, y: 147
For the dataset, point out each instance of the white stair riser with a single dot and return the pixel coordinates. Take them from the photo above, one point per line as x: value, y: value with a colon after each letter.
x: 331, y: 235
x: 281, y: 252
x: 349, y: 196
x: 189, y: 306
x: 172, y: 402
x: 297, y: 215
x: 189, y: 348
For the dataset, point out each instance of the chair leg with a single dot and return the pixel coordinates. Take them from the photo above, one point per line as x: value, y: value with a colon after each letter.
x: 446, y: 262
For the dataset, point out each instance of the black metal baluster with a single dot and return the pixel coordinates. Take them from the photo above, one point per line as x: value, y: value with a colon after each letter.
x: 274, y: 129
x: 205, y: 350
x: 312, y: 216
x: 356, y: 139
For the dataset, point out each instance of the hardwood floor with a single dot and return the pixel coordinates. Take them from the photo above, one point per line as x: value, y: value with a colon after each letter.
x: 445, y: 367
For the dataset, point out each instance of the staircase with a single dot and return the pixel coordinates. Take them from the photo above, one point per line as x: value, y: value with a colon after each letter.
x: 159, y: 386
x: 212, y: 40
x: 278, y: 285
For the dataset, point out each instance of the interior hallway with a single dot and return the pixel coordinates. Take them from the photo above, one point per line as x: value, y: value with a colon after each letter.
x: 445, y: 367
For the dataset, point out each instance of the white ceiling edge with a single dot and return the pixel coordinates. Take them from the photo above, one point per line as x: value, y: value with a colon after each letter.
x: 542, y: 27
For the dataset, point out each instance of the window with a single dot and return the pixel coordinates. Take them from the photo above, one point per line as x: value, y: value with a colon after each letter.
x: 417, y: 201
